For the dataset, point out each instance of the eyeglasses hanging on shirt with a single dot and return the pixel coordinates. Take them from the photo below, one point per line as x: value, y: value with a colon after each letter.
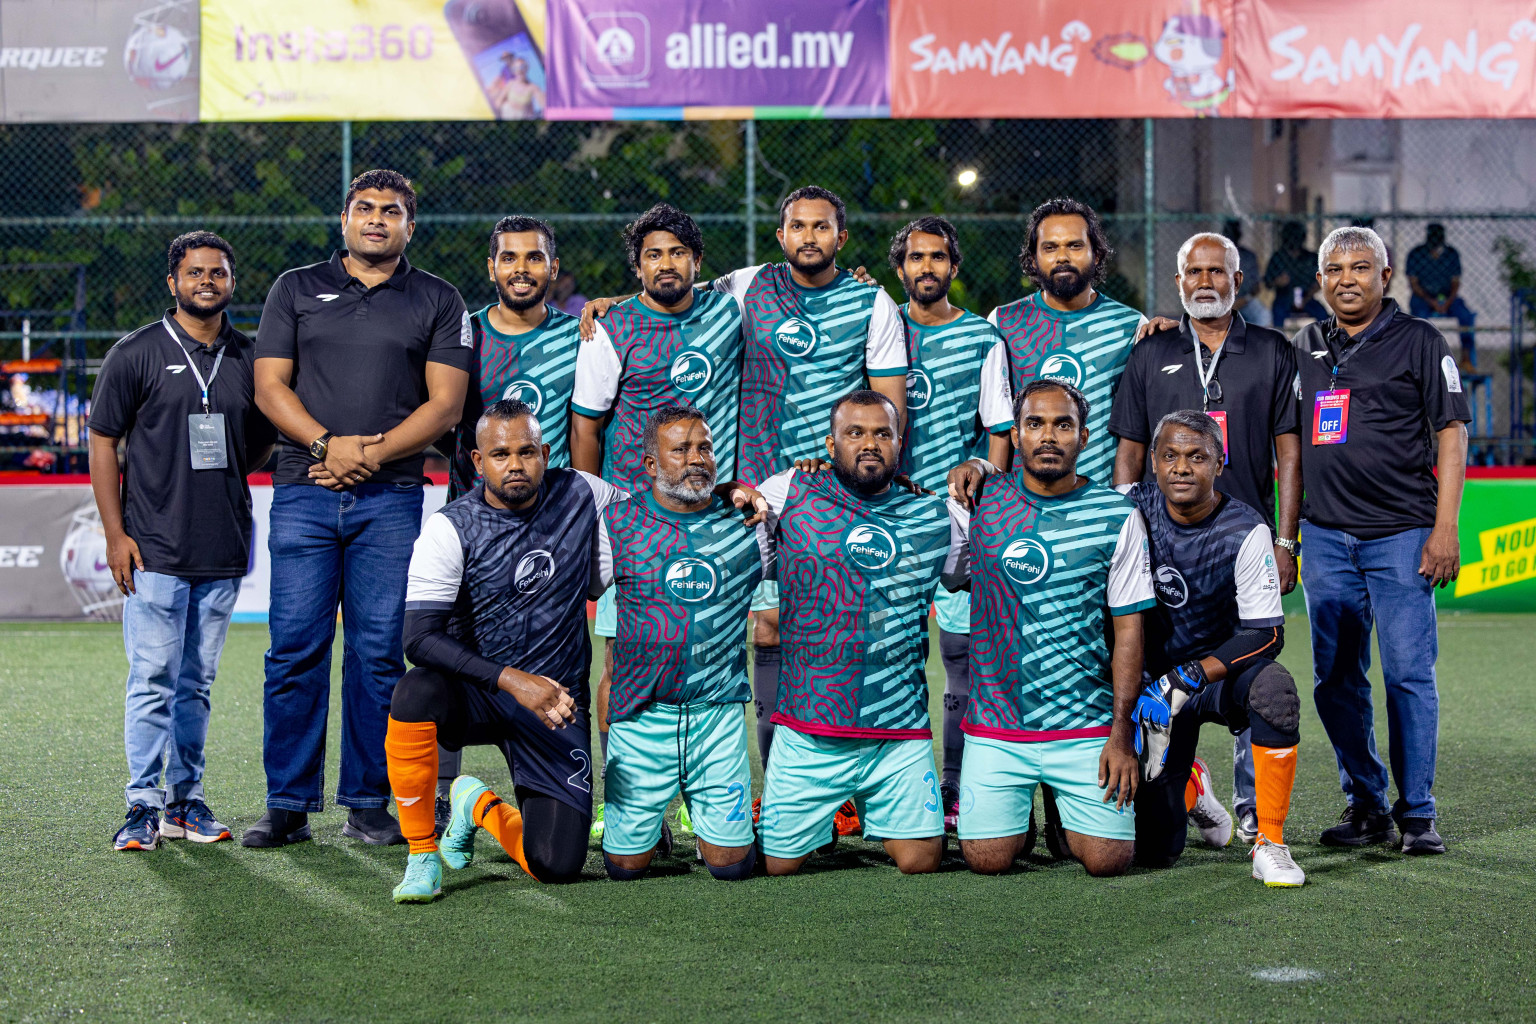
x: 205, y: 430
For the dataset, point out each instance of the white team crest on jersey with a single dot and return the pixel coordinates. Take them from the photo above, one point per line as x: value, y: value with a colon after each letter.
x: 1062, y: 366
x: 796, y: 337
x: 691, y: 371
x: 690, y: 579
x: 1452, y: 375
x: 534, y: 571
x: 527, y: 392
x: 870, y: 545
x: 919, y: 388
x: 1171, y: 587
x: 1026, y: 560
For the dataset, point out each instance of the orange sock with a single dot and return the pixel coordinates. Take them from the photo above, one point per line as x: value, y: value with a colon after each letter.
x: 1274, y: 773
x: 505, y: 822
x: 1191, y: 791
x: 411, y: 750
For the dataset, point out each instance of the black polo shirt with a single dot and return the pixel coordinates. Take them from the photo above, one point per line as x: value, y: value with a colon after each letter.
x: 187, y: 522
x: 1257, y: 371
x: 360, y: 354
x: 1403, y: 388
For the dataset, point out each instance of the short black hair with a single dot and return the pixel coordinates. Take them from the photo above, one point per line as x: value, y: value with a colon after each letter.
x: 520, y: 223
x: 1194, y: 420
x: 385, y: 180
x: 1063, y: 206
x: 182, y: 244
x: 662, y: 217
x: 863, y: 396
x: 666, y: 415
x: 508, y: 409
x: 816, y: 192
x: 1051, y: 384
x: 928, y: 226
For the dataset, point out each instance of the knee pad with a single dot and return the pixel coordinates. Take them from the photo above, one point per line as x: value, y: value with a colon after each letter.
x: 1272, y: 698
x: 419, y: 696
x: 740, y: 870
x: 619, y: 874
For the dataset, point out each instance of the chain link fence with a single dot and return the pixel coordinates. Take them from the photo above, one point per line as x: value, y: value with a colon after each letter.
x: 88, y: 211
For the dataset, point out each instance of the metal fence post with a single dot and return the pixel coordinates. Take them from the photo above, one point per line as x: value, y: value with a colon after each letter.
x: 1149, y: 229
x: 346, y: 158
x: 751, y: 193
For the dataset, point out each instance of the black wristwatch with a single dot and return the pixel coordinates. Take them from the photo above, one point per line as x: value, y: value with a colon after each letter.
x: 318, y: 447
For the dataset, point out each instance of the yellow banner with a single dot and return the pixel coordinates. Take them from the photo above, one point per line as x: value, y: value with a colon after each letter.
x: 1509, y: 556
x: 402, y: 60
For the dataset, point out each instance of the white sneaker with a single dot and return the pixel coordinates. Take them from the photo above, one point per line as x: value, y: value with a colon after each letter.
x: 1212, y: 819
x: 1248, y: 827
x: 1272, y: 864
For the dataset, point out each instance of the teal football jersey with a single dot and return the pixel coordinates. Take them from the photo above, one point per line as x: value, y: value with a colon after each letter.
x: 949, y: 415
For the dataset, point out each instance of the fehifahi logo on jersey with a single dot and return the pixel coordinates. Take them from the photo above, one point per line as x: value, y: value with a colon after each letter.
x: 527, y: 392
x: 870, y: 545
x: 795, y: 337
x: 534, y: 571
x: 919, y: 388
x: 691, y: 371
x: 1062, y: 366
x: 689, y: 579
x: 1026, y: 561
x: 1171, y: 588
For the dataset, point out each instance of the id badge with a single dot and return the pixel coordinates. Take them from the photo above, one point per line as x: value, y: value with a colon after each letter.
x: 1330, y: 417
x: 205, y: 434
x: 1221, y: 421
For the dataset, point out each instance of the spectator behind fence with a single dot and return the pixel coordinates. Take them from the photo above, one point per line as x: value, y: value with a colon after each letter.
x: 1246, y: 305
x: 1434, y: 274
x: 1292, y: 273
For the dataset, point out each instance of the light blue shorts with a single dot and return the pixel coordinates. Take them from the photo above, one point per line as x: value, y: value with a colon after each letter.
x: 606, y: 621
x: 953, y: 611
x: 766, y: 597
x: 893, y: 783
x: 998, y: 780
x: 648, y: 753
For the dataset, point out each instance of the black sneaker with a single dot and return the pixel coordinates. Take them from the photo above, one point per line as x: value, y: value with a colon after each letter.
x: 665, y: 844
x: 949, y: 799
x: 442, y: 810
x: 1360, y: 828
x: 374, y: 826
x: 1420, y: 837
x: 277, y: 828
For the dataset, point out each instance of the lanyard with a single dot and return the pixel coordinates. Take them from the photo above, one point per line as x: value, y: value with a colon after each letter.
x: 192, y: 363
x: 1206, y: 375
x: 1345, y: 355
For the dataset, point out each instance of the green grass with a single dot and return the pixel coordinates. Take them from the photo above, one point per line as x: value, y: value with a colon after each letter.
x: 200, y: 933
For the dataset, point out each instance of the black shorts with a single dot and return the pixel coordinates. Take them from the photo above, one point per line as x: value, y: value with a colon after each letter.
x: 554, y: 762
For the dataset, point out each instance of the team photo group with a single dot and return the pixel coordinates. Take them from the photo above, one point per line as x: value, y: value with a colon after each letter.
x: 770, y: 479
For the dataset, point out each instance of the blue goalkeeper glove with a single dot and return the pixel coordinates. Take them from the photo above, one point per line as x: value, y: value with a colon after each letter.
x: 1153, y: 715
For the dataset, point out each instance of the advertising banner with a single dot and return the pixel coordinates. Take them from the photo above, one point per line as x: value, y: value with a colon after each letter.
x: 1387, y: 58
x: 705, y: 58
x: 1061, y: 58
x: 378, y: 60
x: 98, y: 60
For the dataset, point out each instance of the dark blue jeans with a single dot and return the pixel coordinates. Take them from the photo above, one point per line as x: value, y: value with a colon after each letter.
x: 353, y: 546
x: 1350, y: 584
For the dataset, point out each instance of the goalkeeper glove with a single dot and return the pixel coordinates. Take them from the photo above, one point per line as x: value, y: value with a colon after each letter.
x: 1160, y: 700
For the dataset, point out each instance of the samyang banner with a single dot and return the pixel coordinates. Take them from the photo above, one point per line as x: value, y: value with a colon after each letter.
x: 717, y: 58
x: 98, y: 60
x: 1386, y: 58
x: 1062, y: 58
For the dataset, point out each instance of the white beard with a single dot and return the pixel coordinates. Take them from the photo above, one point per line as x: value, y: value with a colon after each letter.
x: 1208, y: 309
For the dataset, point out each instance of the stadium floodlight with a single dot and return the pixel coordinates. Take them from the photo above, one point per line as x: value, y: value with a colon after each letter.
x: 966, y: 178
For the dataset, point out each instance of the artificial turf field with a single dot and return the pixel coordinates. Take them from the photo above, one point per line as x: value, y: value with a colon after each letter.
x: 214, y: 933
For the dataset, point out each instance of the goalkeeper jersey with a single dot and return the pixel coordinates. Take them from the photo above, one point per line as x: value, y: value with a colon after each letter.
x: 1087, y: 348
x: 1043, y: 571
x: 805, y: 349
x: 684, y: 583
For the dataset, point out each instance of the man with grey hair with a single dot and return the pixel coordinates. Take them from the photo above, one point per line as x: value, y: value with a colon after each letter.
x: 1242, y: 375
x: 1379, y: 390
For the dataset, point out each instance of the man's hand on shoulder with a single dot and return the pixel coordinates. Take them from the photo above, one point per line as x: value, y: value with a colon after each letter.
x: 1155, y: 324
x: 964, y: 481
x: 594, y: 310
x: 749, y: 498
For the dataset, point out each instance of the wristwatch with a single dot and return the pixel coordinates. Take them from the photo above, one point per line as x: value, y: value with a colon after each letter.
x: 318, y: 447
x: 1290, y: 545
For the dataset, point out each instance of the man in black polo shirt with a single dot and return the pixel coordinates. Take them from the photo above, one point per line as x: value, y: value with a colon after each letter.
x: 178, y: 526
x: 1243, y: 376
x: 362, y: 362
x: 1378, y: 389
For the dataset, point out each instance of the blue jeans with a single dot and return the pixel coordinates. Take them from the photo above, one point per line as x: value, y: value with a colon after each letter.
x: 1464, y: 316
x: 173, y: 631
x: 1349, y: 584
x: 351, y: 546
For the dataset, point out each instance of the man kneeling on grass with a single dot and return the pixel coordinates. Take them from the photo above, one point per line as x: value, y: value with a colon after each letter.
x: 500, y: 575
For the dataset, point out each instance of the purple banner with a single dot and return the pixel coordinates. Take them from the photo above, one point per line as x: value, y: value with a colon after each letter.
x: 607, y: 54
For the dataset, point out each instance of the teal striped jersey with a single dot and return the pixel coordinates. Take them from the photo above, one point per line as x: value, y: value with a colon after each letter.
x: 1043, y: 572
x: 536, y: 367
x: 948, y: 414
x: 684, y: 584
x: 1087, y: 348
x: 856, y: 575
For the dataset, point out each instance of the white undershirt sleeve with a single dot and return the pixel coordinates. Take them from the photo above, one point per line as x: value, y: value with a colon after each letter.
x: 995, y: 402
x: 1258, y: 584
x: 597, y: 375
x: 437, y: 566
x: 1130, y: 569
x: 885, y: 349
x: 957, y: 561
